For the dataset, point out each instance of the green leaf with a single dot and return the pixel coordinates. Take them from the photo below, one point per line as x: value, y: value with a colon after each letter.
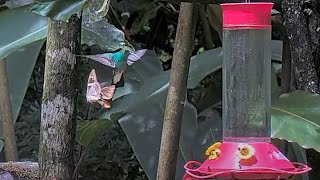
x: 87, y: 131
x: 296, y: 118
x: 143, y: 127
x: 145, y: 111
x: 19, y: 28
x: 59, y: 10
x: 96, y: 11
x: 203, y: 64
x: 106, y: 35
x: 20, y: 65
x: 17, y: 3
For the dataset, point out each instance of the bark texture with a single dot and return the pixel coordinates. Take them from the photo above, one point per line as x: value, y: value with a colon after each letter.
x: 301, y: 19
x: 176, y: 94
x: 58, y: 123
x: 20, y: 170
x: 10, y: 146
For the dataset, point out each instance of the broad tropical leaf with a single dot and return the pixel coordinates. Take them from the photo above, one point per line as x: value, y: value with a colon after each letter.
x: 17, y: 3
x: 88, y: 130
x: 296, y: 118
x: 106, y: 35
x: 145, y: 110
x: 143, y: 127
x: 59, y: 10
x: 19, y: 27
x: 96, y: 11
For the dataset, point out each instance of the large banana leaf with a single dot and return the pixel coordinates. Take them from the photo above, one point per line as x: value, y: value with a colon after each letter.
x: 20, y: 66
x: 296, y: 118
x: 152, y: 88
x: 143, y: 127
x: 144, y: 117
x: 19, y: 27
x: 59, y: 10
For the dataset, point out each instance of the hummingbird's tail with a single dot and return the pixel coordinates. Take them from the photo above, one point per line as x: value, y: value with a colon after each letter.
x: 118, y: 79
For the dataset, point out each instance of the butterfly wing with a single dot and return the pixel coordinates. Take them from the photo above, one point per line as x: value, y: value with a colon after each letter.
x: 108, y: 92
x: 93, y: 87
x: 135, y: 56
x: 105, y: 59
x: 105, y: 103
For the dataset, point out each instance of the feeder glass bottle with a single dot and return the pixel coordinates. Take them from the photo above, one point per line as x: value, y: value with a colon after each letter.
x: 246, y: 72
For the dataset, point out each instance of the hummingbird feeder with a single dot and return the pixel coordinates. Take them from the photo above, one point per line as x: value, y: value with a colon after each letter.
x: 246, y: 151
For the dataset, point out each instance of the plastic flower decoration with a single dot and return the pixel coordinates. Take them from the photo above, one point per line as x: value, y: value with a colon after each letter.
x: 245, y: 151
x: 213, y: 151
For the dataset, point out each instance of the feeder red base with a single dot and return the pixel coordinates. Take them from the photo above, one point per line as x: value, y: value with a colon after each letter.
x: 267, y: 163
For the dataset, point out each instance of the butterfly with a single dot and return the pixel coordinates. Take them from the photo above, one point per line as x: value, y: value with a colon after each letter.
x: 98, y: 94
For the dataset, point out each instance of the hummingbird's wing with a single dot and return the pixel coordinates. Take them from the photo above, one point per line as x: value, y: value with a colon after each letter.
x: 105, y: 59
x: 93, y: 88
x: 135, y: 56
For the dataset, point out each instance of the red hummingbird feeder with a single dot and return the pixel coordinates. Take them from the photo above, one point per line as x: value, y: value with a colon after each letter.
x: 246, y: 151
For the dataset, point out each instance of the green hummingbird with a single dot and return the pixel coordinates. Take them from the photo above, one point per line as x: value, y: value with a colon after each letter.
x: 119, y: 60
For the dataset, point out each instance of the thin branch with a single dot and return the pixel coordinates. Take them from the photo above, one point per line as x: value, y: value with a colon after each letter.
x: 206, y: 27
x: 176, y: 93
x: 10, y: 146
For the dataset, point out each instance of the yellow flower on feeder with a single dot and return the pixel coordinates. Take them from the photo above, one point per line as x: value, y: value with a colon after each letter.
x: 214, y: 154
x: 212, y: 148
x: 245, y: 151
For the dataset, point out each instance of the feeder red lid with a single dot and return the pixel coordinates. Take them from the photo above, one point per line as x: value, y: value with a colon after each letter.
x: 247, y: 15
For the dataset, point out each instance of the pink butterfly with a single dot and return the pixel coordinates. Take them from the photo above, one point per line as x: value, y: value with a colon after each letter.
x: 97, y: 94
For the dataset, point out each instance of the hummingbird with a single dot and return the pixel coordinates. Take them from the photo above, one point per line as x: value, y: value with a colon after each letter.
x: 119, y: 60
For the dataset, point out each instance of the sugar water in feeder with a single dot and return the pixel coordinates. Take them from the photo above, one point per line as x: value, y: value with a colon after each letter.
x: 246, y: 73
x: 246, y: 151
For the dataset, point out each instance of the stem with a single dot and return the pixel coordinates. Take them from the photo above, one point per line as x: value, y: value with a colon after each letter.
x: 206, y: 27
x: 10, y: 146
x: 176, y: 94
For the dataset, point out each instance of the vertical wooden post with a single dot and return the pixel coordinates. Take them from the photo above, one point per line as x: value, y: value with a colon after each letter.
x: 176, y: 94
x: 10, y: 146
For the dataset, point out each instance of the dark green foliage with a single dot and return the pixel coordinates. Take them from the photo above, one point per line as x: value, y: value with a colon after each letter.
x: 110, y: 157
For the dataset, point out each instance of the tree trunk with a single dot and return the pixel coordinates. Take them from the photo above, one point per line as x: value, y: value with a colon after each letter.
x: 301, y: 19
x: 176, y: 93
x: 58, y: 121
x: 10, y: 146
